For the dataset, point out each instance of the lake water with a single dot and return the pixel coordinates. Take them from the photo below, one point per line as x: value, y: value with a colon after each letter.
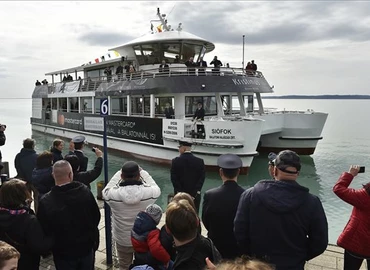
x: 346, y: 141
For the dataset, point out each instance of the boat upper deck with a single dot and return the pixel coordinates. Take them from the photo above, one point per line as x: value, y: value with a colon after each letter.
x: 177, y: 79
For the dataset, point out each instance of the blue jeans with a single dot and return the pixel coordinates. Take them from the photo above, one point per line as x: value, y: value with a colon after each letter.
x: 81, y: 263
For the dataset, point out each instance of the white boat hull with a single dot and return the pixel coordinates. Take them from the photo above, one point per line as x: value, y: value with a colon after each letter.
x: 299, y: 131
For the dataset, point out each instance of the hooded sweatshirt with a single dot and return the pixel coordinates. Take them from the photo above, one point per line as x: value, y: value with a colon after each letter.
x: 280, y: 221
x: 70, y: 214
x: 126, y: 199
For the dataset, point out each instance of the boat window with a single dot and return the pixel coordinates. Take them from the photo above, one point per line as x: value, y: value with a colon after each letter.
x: 191, y: 50
x: 95, y: 75
x: 170, y: 51
x: 226, y: 104
x: 147, y: 106
x: 86, y: 104
x: 248, y: 103
x: 148, y: 54
x: 73, y: 104
x: 160, y: 104
x: 119, y: 105
x: 54, y: 103
x: 63, y: 104
x: 97, y: 105
x: 136, y: 105
x: 209, y: 105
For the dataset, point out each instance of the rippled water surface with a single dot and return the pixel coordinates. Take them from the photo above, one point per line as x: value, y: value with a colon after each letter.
x: 346, y: 141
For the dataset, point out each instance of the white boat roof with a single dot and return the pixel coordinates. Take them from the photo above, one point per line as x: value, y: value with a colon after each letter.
x: 167, y: 36
x: 83, y: 67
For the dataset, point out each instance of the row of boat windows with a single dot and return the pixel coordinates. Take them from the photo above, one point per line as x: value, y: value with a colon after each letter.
x: 140, y: 105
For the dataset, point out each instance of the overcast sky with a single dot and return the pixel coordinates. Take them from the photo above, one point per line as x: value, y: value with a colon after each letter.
x: 302, y: 47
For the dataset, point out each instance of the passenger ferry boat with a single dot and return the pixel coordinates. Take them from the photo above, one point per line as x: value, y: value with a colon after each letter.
x: 136, y: 121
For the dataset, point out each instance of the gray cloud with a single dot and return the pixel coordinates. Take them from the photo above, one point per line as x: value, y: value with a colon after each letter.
x: 104, y: 38
x: 292, y: 22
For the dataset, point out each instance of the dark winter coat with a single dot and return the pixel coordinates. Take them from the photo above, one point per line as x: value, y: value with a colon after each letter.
x: 356, y: 235
x: 57, y: 154
x: 21, y: 229
x: 70, y: 214
x: 89, y: 176
x: 187, y: 174
x: 282, y: 222
x: 193, y: 254
x: 219, y: 209
x: 25, y: 162
x: 43, y: 180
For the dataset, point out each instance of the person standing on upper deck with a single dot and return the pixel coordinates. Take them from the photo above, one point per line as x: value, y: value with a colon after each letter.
x: 191, y: 66
x: 253, y: 66
x: 188, y: 173
x: 217, y: 64
x: 164, y: 68
x: 201, y: 64
x: 119, y: 72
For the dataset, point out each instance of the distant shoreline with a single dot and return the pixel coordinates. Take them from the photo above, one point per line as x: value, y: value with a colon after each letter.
x: 318, y: 97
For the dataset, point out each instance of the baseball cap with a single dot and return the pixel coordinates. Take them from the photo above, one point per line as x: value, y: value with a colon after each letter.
x: 288, y: 158
x: 229, y: 161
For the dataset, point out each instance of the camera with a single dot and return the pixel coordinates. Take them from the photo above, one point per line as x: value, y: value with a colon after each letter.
x: 93, y: 149
x: 362, y: 169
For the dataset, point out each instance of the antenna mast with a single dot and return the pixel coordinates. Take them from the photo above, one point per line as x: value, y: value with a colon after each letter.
x: 243, y: 53
x: 162, y: 19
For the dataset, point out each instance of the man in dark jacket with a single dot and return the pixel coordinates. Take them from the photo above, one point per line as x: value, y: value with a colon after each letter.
x: 25, y: 160
x: 199, y: 112
x: 88, y: 176
x: 188, y: 173
x: 76, y: 148
x: 280, y: 220
x: 220, y: 205
x: 71, y: 215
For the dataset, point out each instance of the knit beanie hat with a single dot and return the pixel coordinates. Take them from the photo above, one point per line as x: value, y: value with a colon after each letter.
x: 155, y: 211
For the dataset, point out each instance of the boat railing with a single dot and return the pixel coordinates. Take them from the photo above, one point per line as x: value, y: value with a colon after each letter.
x: 92, y: 83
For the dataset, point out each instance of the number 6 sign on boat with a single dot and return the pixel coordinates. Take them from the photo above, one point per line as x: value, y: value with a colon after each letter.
x: 104, y: 107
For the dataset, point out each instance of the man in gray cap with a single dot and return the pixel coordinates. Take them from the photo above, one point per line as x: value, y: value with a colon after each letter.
x: 76, y: 148
x: 220, y: 205
x: 129, y: 191
x: 279, y: 219
x: 188, y: 173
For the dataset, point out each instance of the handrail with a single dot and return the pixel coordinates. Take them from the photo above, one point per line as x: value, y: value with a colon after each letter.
x: 92, y: 83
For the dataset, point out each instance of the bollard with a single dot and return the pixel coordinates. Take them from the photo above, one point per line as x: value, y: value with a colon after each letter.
x: 99, y: 190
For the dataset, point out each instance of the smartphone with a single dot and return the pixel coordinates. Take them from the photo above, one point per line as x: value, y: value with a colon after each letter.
x: 93, y: 149
x: 362, y: 169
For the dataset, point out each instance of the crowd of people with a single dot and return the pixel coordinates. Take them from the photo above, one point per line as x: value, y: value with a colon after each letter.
x: 276, y: 224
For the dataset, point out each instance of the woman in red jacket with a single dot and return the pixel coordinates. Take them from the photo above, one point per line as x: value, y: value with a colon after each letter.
x: 355, y: 238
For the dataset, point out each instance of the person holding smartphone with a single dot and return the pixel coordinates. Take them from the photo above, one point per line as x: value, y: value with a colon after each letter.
x: 355, y: 237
